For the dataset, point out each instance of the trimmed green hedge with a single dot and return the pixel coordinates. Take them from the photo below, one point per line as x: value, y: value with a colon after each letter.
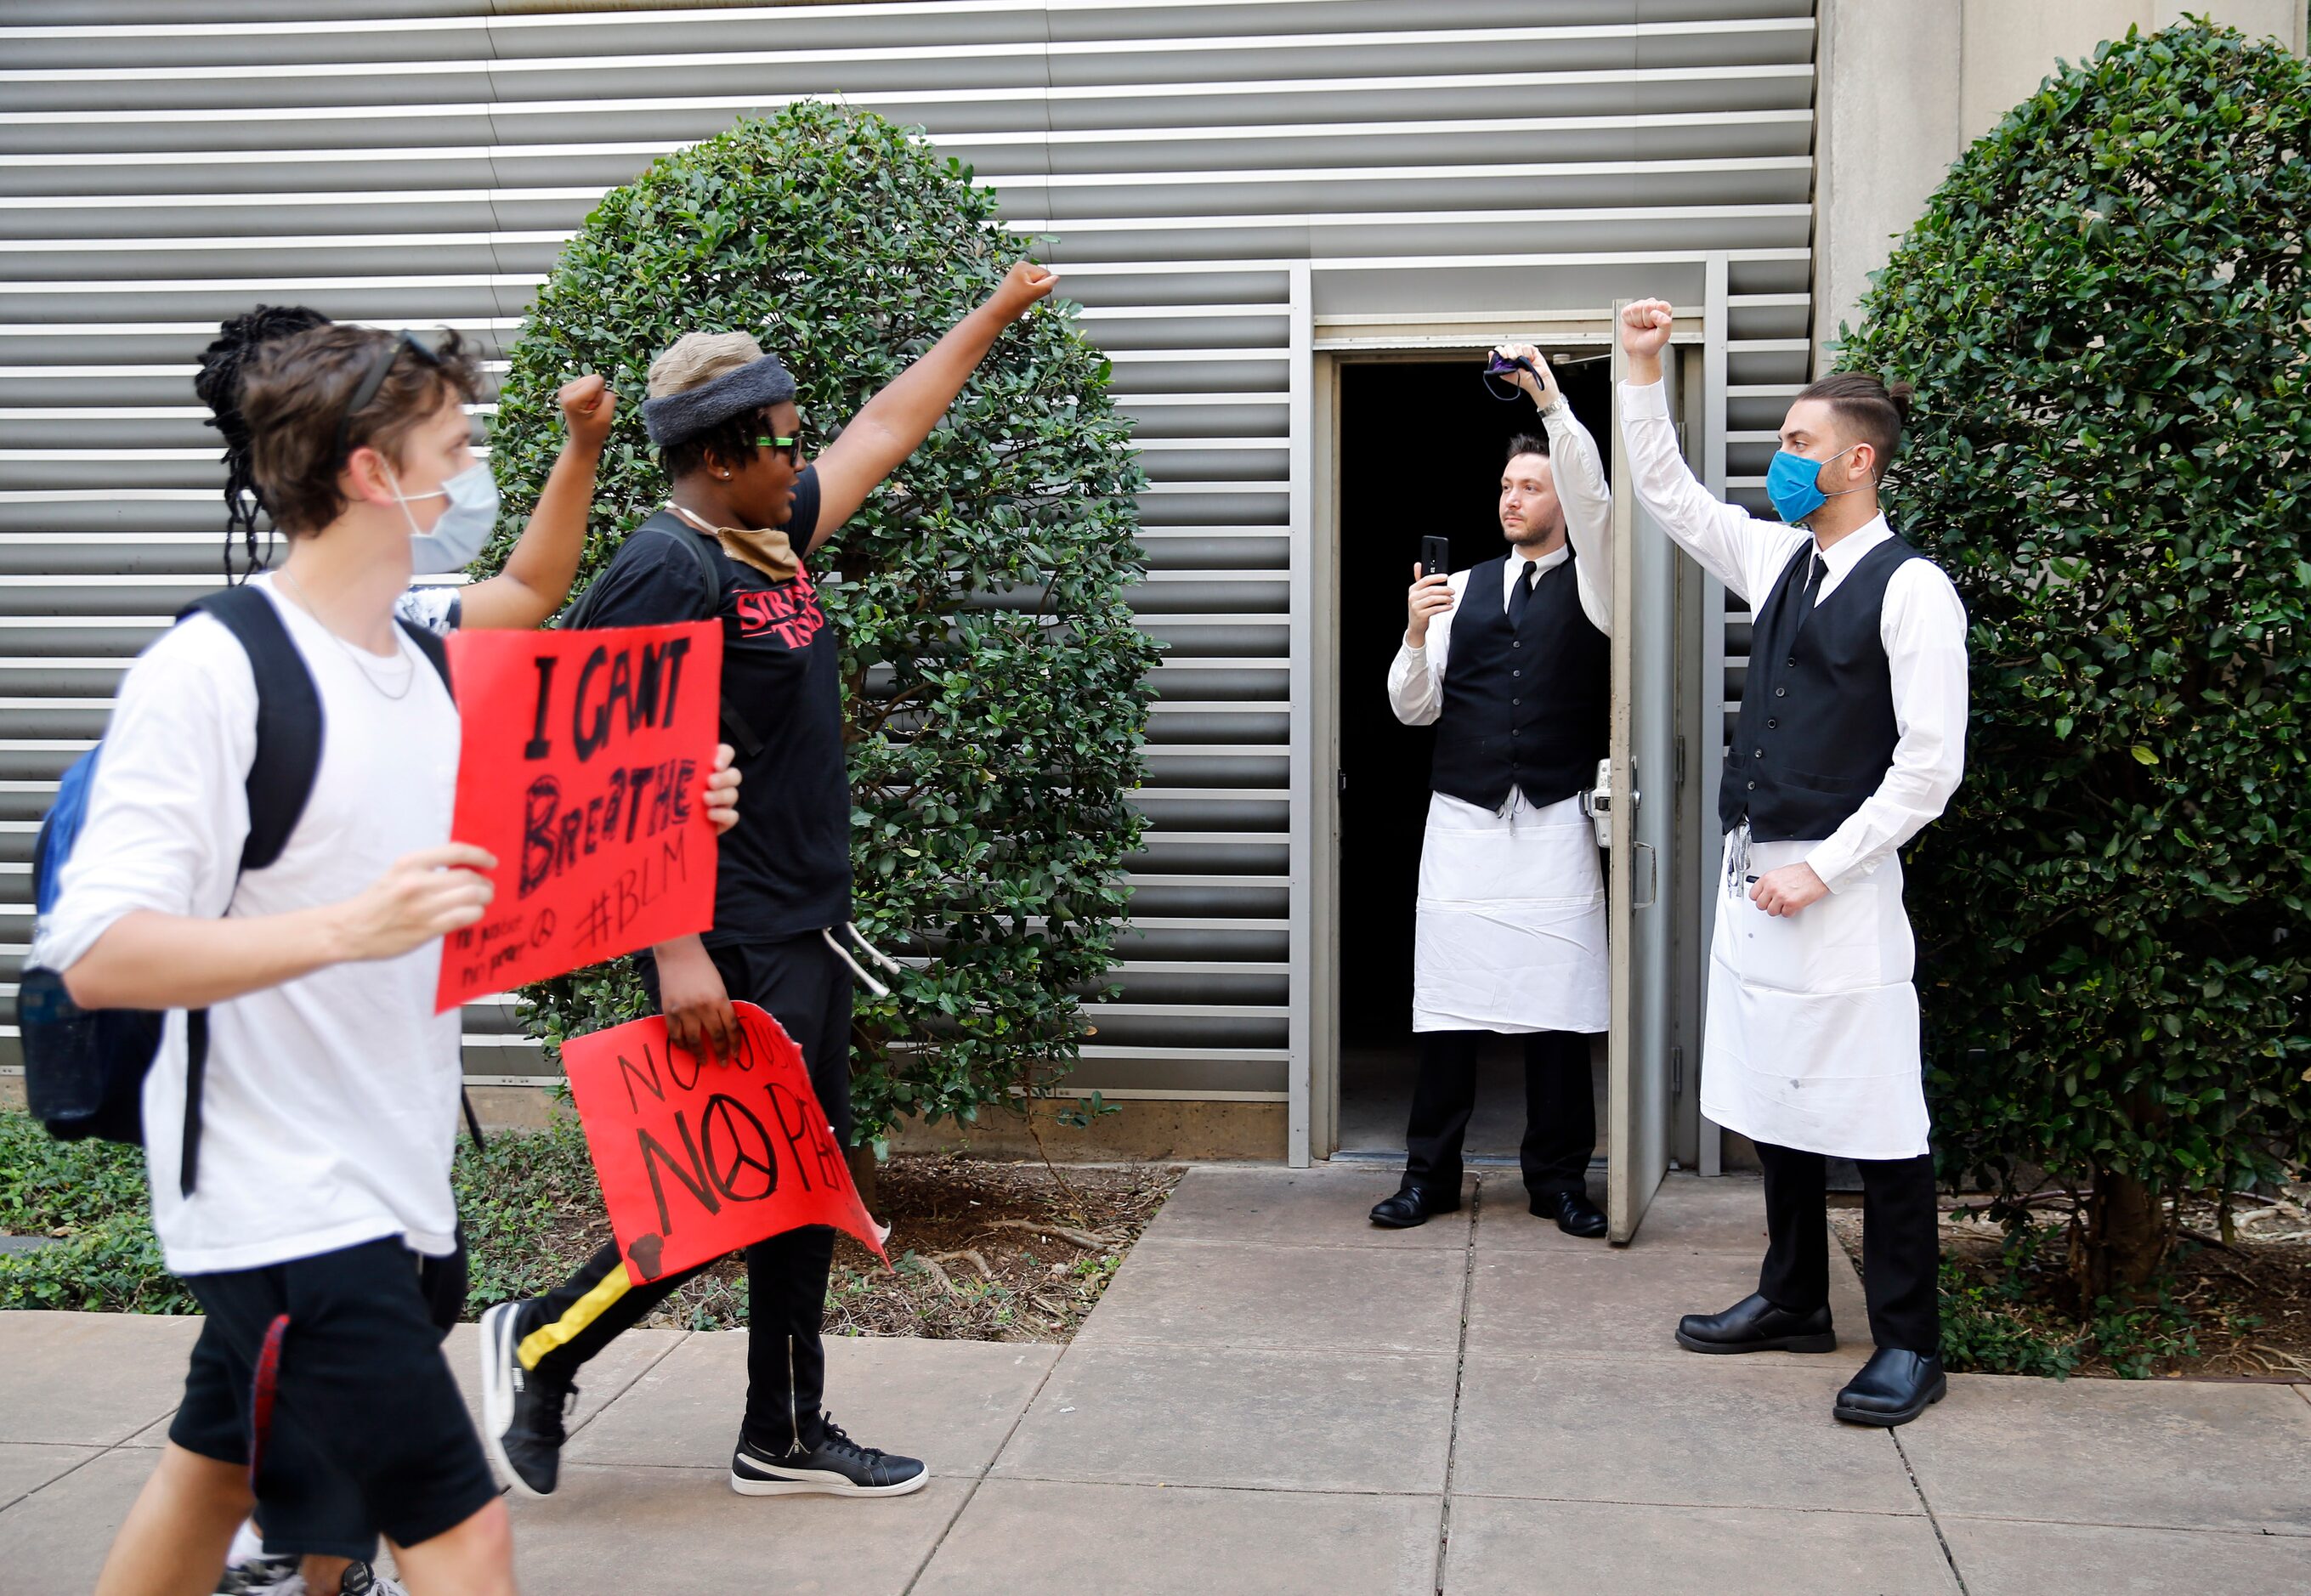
x: 2105, y: 311
x: 996, y: 688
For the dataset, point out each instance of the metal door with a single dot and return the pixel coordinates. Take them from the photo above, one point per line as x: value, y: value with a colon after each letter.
x: 1645, y: 801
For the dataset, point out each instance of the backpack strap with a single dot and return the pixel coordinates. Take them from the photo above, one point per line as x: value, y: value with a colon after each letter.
x: 740, y: 734
x: 430, y: 644
x: 734, y: 724
x: 437, y: 654
x: 289, y: 722
x: 288, y: 756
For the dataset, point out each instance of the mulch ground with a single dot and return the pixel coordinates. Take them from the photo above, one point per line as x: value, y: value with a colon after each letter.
x: 2239, y: 1309
x: 982, y: 1251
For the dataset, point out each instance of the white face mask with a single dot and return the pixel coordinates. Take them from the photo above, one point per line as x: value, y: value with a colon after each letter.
x: 459, y: 536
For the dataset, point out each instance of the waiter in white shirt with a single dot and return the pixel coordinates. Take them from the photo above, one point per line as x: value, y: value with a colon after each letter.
x: 1850, y: 739
x: 1511, y: 933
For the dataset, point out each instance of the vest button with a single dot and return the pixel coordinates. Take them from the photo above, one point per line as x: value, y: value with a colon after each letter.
x: 1516, y: 645
x: 1772, y: 724
x: 1781, y: 692
x: 1793, y: 662
x: 1516, y: 673
x: 1760, y: 753
x: 1514, y: 702
x: 1753, y: 787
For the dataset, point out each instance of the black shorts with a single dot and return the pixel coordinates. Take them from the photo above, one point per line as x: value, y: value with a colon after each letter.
x: 365, y: 1433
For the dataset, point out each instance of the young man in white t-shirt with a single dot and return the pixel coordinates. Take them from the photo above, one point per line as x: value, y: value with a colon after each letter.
x: 534, y: 583
x: 322, y: 1206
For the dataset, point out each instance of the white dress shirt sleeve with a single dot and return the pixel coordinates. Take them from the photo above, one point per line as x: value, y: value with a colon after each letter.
x: 1582, y: 488
x: 169, y: 809
x: 1732, y: 545
x: 1923, y: 625
x: 1415, y: 677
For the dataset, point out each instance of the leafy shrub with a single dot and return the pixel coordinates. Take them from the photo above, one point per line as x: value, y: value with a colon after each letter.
x: 2104, y: 310
x: 91, y: 1196
x: 529, y: 1202
x: 996, y: 687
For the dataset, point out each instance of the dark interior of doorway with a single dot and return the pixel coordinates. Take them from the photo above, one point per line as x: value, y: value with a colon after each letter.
x: 1421, y: 449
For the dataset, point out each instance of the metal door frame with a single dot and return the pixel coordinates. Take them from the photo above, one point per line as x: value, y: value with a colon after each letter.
x: 1317, y: 354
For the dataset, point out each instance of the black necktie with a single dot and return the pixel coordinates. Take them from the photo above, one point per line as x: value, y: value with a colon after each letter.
x: 1811, y: 592
x: 1789, y: 617
x: 1521, y: 594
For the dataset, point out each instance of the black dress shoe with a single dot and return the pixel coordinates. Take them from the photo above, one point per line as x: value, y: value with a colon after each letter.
x: 1753, y: 1324
x: 1408, y: 1207
x: 1575, y: 1214
x: 1893, y: 1388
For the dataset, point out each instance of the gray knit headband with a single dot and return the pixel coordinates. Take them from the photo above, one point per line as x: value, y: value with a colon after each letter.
x: 705, y: 379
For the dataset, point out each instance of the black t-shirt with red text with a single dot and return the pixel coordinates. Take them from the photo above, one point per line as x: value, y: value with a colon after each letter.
x: 786, y: 865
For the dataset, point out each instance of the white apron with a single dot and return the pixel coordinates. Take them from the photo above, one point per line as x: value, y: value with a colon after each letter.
x: 1811, y: 1040
x: 1511, y: 927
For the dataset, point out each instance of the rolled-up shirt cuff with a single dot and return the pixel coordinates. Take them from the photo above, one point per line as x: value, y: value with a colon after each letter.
x: 61, y: 940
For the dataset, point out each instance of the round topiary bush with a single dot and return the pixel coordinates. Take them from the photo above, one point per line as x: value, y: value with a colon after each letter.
x: 2107, y: 314
x: 995, y: 689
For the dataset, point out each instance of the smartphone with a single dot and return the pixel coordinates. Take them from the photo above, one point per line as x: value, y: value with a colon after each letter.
x: 1435, y: 556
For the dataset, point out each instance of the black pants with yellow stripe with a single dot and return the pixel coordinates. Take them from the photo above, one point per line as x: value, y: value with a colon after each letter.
x: 806, y: 988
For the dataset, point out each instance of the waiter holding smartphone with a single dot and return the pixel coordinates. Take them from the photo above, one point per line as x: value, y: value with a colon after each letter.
x: 1509, y: 662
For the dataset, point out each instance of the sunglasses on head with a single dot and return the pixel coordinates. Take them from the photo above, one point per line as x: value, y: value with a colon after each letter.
x: 379, y: 366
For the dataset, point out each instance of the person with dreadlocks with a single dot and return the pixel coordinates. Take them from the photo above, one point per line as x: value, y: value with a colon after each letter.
x: 543, y: 563
x: 532, y: 587
x: 309, y: 1207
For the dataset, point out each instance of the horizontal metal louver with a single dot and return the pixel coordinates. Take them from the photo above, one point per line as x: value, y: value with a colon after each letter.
x: 420, y: 163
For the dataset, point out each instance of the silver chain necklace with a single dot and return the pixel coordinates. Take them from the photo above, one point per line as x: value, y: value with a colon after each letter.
x: 359, y: 657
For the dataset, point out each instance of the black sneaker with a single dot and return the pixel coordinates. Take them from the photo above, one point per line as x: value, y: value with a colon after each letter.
x: 361, y: 1580
x: 522, y: 1410
x: 263, y: 1575
x: 837, y: 1466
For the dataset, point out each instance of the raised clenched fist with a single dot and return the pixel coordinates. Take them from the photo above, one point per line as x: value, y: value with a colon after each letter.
x: 1645, y: 328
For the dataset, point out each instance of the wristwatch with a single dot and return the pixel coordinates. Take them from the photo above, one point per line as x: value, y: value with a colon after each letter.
x: 1551, y: 406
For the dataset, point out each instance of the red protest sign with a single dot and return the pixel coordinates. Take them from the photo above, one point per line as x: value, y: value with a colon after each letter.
x: 698, y: 1158
x: 582, y: 765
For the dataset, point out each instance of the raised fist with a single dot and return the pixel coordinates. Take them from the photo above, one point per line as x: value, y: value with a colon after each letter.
x: 1645, y: 328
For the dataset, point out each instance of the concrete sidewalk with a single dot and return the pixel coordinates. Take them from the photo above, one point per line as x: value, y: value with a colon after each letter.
x: 1273, y: 1397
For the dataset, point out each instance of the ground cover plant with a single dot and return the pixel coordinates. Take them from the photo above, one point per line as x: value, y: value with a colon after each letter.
x: 980, y: 1250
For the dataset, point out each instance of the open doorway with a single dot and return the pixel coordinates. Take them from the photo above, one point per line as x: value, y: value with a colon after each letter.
x: 1420, y: 453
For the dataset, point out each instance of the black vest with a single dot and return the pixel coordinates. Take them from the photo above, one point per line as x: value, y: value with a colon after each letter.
x: 1526, y: 707
x: 1816, y: 732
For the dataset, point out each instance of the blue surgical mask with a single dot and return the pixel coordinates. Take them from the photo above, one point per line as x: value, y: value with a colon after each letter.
x: 1793, y: 482
x: 459, y: 536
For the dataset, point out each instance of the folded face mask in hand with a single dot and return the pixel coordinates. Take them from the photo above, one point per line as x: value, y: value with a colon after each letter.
x: 1497, y: 368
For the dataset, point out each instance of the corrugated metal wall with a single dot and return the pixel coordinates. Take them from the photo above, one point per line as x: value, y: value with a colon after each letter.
x: 420, y: 164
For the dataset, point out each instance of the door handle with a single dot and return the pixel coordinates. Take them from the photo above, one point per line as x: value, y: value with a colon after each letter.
x: 1649, y: 857
x: 1597, y: 803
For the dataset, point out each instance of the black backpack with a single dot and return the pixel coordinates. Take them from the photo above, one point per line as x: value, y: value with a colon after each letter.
x: 85, y: 1070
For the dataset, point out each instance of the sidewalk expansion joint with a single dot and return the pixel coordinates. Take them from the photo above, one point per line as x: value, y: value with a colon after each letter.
x: 972, y: 1484
x: 1459, y: 1378
x: 1940, y: 1540
x: 101, y: 1452
x: 639, y: 1374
